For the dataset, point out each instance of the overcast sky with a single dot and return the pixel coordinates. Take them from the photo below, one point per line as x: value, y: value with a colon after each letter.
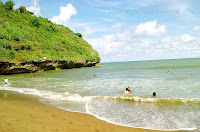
x: 129, y: 30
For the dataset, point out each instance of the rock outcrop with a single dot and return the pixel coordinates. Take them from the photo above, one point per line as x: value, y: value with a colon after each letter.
x: 7, y: 68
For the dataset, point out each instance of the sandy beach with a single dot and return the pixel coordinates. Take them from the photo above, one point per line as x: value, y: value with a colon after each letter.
x: 27, y: 115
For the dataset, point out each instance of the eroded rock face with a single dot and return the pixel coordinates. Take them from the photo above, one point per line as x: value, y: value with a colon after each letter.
x: 29, y: 67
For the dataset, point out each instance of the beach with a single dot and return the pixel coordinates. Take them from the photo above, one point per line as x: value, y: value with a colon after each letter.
x: 98, y: 102
x: 19, y: 113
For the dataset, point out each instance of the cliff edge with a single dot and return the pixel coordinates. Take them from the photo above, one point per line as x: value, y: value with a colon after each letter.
x: 30, y: 44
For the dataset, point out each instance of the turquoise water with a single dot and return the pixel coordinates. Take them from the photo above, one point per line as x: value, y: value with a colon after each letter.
x: 176, y: 82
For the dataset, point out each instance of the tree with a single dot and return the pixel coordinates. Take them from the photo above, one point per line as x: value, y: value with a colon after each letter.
x: 22, y: 9
x: 1, y: 3
x: 30, y: 13
x: 9, y: 5
x: 17, y: 11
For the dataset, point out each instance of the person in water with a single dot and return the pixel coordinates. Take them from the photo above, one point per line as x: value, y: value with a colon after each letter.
x: 6, y: 81
x: 94, y: 75
x: 83, y: 77
x: 154, y: 94
x: 127, y: 91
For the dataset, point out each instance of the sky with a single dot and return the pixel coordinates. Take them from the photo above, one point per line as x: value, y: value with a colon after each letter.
x: 129, y: 30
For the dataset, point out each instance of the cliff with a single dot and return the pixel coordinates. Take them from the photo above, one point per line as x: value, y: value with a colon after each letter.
x: 7, y: 68
x: 30, y: 44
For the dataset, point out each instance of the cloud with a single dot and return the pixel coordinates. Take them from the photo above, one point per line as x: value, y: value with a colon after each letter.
x: 120, y: 46
x: 196, y: 28
x: 117, y: 25
x: 178, y: 41
x: 186, y: 38
x: 65, y: 15
x: 125, y: 46
x: 150, y: 29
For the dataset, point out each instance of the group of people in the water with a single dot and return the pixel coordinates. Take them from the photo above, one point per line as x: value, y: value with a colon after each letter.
x: 128, y: 91
x: 83, y: 77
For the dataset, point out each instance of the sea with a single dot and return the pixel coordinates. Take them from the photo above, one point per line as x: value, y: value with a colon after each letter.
x: 176, y: 82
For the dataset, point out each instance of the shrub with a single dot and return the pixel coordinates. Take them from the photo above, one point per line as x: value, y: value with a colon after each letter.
x: 5, y: 25
x: 1, y: 3
x: 36, y: 23
x: 5, y: 44
x: 4, y: 34
x: 12, y: 54
x: 9, y: 5
x: 22, y: 9
x: 16, y: 34
x: 78, y: 34
x: 30, y: 13
x: 17, y: 11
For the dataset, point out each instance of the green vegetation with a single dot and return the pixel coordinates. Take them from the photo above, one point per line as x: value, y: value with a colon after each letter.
x: 9, y: 5
x: 78, y: 34
x: 22, y: 9
x: 28, y: 38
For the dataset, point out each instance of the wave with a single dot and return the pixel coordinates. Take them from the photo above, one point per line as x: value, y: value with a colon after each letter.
x: 158, y: 100
x: 48, y: 94
x: 76, y: 97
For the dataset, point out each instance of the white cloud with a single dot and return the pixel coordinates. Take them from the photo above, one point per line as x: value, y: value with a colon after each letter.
x: 117, y: 25
x: 126, y: 46
x: 186, y: 38
x: 120, y: 46
x: 196, y: 28
x: 65, y: 15
x: 150, y: 29
x: 178, y: 41
x: 123, y: 47
x: 166, y: 40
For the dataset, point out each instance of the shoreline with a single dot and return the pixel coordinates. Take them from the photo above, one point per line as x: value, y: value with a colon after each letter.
x: 17, y: 111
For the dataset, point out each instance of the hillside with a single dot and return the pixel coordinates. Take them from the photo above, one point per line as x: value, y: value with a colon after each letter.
x: 29, y: 39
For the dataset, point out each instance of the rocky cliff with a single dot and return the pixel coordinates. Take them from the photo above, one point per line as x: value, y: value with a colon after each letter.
x: 7, y: 68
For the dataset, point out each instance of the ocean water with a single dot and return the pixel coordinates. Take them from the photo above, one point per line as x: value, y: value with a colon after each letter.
x: 176, y: 82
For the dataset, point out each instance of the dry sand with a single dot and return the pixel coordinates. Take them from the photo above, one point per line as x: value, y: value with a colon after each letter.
x: 19, y: 115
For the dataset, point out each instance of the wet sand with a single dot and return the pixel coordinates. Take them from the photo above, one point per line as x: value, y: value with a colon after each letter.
x: 19, y: 114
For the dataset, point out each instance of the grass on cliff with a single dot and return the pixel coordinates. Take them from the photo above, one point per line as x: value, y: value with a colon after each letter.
x: 29, y: 38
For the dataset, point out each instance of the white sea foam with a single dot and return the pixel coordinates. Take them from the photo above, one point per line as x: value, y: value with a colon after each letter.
x: 48, y: 94
x: 89, y: 109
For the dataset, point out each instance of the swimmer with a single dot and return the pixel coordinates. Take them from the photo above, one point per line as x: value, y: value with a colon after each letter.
x: 154, y: 94
x: 34, y: 76
x: 129, y: 89
x: 6, y: 81
x: 94, y: 75
x: 126, y: 91
x: 83, y: 77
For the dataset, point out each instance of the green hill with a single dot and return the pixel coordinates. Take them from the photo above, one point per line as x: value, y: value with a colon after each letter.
x: 27, y: 38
